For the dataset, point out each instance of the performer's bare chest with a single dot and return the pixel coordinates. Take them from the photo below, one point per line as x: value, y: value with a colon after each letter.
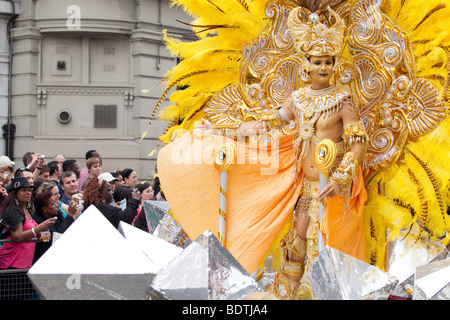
x: 329, y: 127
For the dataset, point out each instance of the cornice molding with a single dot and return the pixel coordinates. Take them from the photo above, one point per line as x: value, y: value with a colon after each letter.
x: 43, y: 91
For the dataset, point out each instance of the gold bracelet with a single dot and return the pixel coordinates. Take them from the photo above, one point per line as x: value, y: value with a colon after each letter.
x: 273, y: 118
x: 347, y: 171
x: 355, y: 132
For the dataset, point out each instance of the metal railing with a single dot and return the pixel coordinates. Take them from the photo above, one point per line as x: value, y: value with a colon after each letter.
x: 15, y: 285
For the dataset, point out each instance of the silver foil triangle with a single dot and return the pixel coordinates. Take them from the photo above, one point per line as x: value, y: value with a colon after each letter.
x: 432, y: 281
x: 92, y: 260
x: 405, y: 254
x: 338, y: 276
x: 162, y: 225
x: 205, y: 270
x: 158, y: 251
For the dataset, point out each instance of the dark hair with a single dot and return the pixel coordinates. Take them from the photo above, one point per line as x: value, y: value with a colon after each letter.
x: 89, y: 154
x: 115, y: 174
x: 18, y: 172
x: 27, y: 157
x: 142, y: 186
x: 67, y: 165
x: 53, y: 165
x: 41, y: 186
x: 122, y: 192
x: 125, y: 173
x: 42, y: 199
x: 156, y: 185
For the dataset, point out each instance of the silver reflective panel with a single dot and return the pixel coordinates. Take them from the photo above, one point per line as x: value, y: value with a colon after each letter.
x: 432, y: 281
x: 405, y: 254
x: 162, y: 225
x: 205, y: 270
x: 92, y: 260
x: 338, y: 276
x: 158, y: 251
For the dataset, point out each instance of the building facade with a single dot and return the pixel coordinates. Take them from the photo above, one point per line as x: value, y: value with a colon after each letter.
x: 8, y: 11
x: 87, y: 74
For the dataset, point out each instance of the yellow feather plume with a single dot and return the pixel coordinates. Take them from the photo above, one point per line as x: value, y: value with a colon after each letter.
x: 212, y: 62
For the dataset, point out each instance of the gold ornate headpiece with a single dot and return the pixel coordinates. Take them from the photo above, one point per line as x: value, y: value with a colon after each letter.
x: 311, y: 37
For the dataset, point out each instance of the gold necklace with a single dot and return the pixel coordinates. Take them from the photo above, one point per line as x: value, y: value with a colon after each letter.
x: 308, y: 105
x: 308, y: 102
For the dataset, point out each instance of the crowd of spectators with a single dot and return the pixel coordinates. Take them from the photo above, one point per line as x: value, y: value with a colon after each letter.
x: 47, y: 195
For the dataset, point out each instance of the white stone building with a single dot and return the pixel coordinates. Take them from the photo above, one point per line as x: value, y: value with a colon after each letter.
x: 78, y: 71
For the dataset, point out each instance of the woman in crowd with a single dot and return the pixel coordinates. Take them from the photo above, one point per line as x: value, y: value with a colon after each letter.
x: 146, y: 191
x: 129, y: 177
x: 20, y: 226
x: 94, y: 166
x: 98, y: 192
x: 46, y: 204
x: 116, y: 174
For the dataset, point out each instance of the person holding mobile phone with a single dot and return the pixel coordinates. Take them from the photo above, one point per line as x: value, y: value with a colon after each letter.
x: 20, y: 226
x: 46, y: 204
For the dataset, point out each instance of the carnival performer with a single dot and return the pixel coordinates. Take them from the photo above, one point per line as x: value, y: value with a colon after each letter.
x: 396, y: 68
x: 255, y: 217
x: 322, y: 111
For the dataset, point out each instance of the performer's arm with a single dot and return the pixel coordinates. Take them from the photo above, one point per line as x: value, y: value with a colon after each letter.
x: 356, y: 137
x: 274, y: 119
x: 354, y: 133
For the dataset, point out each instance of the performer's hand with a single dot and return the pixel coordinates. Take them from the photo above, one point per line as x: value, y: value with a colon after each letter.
x: 251, y: 128
x: 331, y: 190
x: 206, y: 126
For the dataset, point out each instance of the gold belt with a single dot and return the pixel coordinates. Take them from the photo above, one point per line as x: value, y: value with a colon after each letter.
x: 311, y: 188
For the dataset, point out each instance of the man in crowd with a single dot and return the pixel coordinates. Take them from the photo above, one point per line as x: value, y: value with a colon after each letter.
x: 69, y: 184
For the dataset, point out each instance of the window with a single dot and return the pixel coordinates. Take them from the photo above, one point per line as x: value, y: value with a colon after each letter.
x: 61, y: 50
x: 105, y: 116
x: 109, y: 51
x: 61, y: 65
x: 109, y: 67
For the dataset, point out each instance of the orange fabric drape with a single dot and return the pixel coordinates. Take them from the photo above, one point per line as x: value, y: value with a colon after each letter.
x: 261, y: 194
x: 343, y: 221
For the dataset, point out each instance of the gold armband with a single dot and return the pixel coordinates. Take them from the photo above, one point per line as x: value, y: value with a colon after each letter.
x: 347, y: 171
x: 355, y: 132
x: 273, y: 118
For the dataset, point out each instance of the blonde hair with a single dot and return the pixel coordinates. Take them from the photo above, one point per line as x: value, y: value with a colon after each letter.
x: 91, y: 161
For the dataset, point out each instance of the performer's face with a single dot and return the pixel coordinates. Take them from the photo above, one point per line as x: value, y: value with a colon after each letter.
x: 321, y: 71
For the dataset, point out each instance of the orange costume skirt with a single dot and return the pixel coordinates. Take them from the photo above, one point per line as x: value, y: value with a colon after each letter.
x: 261, y: 194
